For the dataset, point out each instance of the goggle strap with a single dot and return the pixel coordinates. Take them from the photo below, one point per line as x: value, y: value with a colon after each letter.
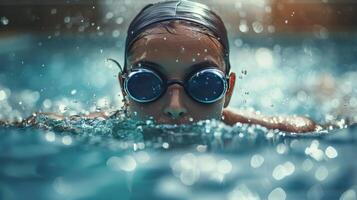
x: 117, y: 63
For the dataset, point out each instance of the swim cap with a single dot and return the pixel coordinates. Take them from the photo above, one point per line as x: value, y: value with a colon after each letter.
x: 178, y: 10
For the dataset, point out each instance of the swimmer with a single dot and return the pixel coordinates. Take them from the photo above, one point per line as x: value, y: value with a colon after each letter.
x: 177, y: 70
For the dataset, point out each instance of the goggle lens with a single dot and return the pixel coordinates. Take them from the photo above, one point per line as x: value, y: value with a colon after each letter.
x: 206, y: 86
x: 144, y: 86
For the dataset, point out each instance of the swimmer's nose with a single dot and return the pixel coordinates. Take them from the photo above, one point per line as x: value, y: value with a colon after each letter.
x: 175, y: 108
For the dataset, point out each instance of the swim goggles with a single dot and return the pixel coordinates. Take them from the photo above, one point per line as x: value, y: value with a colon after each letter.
x: 145, y: 85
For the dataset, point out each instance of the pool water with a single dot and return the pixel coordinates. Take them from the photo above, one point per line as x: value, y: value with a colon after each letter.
x: 124, y: 159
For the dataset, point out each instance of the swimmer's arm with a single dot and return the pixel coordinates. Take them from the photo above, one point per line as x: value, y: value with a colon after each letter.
x: 295, y: 124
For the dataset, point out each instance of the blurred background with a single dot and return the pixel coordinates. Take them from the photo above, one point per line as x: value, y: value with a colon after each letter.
x: 291, y: 56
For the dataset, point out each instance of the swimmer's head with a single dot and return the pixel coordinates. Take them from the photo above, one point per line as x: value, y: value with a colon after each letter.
x: 171, y: 47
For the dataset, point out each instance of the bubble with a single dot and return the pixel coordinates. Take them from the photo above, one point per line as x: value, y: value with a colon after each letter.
x: 53, y: 11
x: 188, y: 177
x: 281, y: 171
x: 67, y: 140
x: 119, y: 20
x: 165, y: 145
x: 224, y: 166
x: 281, y: 148
x: 73, y: 92
x: 4, y: 21
x: 243, y: 27
x: 61, y: 186
x: 267, y: 9
x: 201, y: 148
x: 307, y: 165
x: 109, y: 15
x: 50, y: 136
x: 238, y: 42
x: 271, y: 29
x: 314, y: 151
x: 142, y: 156
x: 257, y: 27
x: 256, y: 161
x: 321, y: 173
x: 264, y: 58
x: 47, y: 103
x: 116, y: 33
x: 277, y: 194
x: 331, y: 152
x: 3, y: 95
x: 126, y: 163
x: 349, y: 195
x: 67, y: 19
x: 242, y: 192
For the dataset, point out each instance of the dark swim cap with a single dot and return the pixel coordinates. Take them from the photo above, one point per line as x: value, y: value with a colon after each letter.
x: 178, y: 10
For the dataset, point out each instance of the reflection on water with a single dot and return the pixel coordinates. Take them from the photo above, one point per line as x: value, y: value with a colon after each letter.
x: 126, y: 159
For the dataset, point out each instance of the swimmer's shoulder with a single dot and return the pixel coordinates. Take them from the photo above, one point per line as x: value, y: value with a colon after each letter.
x: 297, y: 124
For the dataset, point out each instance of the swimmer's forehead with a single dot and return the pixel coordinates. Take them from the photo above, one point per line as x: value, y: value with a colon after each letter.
x: 184, y: 48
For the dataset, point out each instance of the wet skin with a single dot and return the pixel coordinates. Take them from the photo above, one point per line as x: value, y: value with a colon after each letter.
x: 175, y: 56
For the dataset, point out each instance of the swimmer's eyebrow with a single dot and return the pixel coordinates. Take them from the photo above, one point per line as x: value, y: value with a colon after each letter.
x: 159, y: 68
x: 203, y: 64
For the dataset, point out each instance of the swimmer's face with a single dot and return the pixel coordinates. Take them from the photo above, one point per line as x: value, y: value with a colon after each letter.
x: 175, y: 56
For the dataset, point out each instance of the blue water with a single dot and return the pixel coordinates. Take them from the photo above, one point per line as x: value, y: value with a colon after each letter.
x: 124, y: 159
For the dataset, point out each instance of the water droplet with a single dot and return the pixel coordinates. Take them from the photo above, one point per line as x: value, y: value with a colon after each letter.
x: 109, y: 15
x: 73, y: 92
x: 119, y: 20
x: 116, y: 33
x: 165, y: 145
